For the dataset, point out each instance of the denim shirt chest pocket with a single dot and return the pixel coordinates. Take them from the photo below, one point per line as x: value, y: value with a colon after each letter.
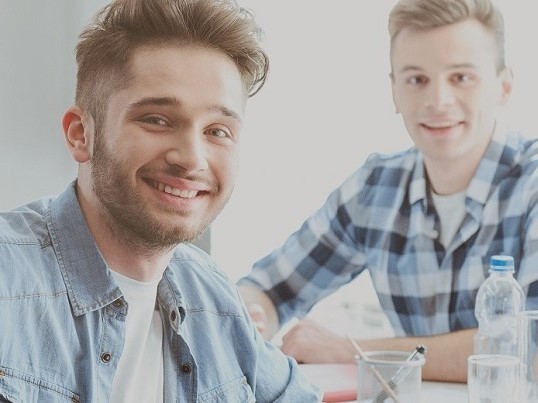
x: 16, y: 387
x: 237, y: 390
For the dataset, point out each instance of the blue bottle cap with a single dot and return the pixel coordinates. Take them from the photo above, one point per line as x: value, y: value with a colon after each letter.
x: 501, y: 262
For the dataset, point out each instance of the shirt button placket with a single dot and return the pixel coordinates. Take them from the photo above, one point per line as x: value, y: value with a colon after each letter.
x: 106, y: 357
x: 186, y: 368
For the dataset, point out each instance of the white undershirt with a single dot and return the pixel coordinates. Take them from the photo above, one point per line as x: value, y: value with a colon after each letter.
x: 139, y: 376
x: 451, y: 211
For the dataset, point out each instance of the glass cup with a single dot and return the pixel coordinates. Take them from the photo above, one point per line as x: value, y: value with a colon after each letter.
x: 528, y: 354
x: 389, y: 376
x: 493, y: 378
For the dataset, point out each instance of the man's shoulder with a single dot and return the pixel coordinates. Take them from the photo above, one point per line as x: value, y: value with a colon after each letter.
x: 404, y: 160
x: 200, y: 279
x: 385, y: 169
x: 26, y: 225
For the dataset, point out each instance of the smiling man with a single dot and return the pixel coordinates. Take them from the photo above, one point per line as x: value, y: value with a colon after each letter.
x: 102, y: 298
x: 423, y: 222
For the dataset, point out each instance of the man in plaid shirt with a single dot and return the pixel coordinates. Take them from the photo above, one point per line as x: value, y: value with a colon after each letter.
x: 425, y: 221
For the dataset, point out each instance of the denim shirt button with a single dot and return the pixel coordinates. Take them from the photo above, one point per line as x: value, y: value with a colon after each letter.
x: 106, y: 357
x: 75, y: 400
x: 186, y: 368
x: 173, y: 316
x: 118, y: 303
x: 2, y: 372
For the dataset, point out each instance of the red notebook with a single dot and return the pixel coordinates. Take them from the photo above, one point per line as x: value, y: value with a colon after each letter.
x: 337, y: 381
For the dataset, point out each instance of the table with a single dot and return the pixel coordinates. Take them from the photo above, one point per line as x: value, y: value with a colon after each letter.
x: 339, y: 382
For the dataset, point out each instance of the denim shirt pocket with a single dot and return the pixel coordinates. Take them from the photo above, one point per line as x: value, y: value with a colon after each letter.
x: 237, y: 390
x: 16, y: 386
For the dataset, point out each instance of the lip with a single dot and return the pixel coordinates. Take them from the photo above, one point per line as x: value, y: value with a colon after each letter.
x: 175, y: 201
x: 442, y: 128
x: 178, y: 183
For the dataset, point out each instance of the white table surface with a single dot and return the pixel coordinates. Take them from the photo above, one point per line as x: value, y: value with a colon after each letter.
x: 331, y: 377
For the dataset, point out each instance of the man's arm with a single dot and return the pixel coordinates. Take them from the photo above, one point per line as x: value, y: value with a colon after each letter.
x: 261, y: 310
x: 446, y: 356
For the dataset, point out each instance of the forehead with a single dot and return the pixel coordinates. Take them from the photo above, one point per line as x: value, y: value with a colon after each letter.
x: 466, y: 42
x: 195, y: 75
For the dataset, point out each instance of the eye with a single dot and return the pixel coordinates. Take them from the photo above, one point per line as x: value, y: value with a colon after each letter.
x: 218, y: 132
x: 417, y: 80
x: 154, y: 120
x: 461, y: 78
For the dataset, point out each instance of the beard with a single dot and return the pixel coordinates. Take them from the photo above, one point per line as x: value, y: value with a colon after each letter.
x: 128, y: 214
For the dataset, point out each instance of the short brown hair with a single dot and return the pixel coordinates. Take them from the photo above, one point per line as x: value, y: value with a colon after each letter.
x: 106, y: 46
x: 428, y: 14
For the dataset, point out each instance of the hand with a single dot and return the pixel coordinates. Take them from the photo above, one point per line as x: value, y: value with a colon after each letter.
x: 309, y: 342
x: 258, y: 316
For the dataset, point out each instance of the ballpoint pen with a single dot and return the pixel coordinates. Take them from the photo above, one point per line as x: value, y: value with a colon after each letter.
x: 400, y: 374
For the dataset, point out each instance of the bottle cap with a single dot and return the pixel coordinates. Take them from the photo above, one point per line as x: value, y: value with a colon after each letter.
x: 501, y: 263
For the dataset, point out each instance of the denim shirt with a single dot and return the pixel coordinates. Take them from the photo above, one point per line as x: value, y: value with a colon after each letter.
x: 62, y: 320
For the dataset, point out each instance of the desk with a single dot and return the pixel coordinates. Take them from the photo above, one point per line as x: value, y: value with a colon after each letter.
x: 335, y: 378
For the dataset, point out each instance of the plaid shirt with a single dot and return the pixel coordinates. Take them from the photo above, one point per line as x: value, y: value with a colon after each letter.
x: 382, y: 218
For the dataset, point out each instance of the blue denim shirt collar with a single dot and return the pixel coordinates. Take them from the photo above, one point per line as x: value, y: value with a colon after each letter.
x: 87, y: 278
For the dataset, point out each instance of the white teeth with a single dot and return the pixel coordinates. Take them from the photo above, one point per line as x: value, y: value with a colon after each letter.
x: 188, y: 194
x: 441, y: 125
x: 185, y: 194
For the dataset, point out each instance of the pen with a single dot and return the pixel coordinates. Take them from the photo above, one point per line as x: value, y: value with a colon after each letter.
x: 388, y: 392
x: 402, y: 372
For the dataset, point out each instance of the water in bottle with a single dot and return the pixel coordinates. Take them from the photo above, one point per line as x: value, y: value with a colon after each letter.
x: 499, y: 300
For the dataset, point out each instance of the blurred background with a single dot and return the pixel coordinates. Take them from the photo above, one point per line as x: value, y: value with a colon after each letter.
x: 326, y: 105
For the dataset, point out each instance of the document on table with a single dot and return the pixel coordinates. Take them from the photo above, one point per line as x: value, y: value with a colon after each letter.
x: 337, y: 381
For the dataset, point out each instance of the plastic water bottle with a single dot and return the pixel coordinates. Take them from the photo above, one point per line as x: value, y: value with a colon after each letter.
x: 499, y: 300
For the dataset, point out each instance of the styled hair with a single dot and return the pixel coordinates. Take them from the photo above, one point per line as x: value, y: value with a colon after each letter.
x: 428, y: 14
x: 105, y: 51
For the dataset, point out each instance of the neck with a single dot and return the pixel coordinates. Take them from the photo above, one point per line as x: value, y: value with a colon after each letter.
x: 452, y: 175
x: 449, y: 178
x: 132, y: 259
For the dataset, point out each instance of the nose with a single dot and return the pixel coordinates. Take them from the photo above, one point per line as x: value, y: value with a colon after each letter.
x: 439, y: 95
x: 188, y: 150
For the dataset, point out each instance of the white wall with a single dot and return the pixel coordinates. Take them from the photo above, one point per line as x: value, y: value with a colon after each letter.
x: 326, y: 106
x: 37, y: 76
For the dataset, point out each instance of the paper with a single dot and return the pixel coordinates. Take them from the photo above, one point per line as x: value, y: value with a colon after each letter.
x: 337, y: 381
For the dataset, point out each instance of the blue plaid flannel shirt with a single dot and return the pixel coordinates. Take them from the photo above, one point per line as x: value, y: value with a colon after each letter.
x: 382, y: 219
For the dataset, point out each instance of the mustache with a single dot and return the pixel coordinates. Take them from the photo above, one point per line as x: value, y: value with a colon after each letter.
x: 178, y: 172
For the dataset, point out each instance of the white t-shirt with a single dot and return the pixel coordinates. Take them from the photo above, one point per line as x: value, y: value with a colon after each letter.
x: 451, y: 210
x: 139, y: 376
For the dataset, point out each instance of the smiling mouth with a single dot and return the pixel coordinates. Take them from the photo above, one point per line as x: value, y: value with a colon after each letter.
x: 184, y: 194
x: 441, y: 125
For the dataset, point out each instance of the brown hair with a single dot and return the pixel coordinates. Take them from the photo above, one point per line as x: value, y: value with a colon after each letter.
x: 106, y: 46
x: 428, y: 14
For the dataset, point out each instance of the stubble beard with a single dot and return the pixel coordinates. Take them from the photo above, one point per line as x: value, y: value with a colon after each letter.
x: 127, y: 213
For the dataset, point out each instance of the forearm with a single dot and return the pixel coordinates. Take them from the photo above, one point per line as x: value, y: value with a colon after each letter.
x: 252, y: 295
x: 446, y: 357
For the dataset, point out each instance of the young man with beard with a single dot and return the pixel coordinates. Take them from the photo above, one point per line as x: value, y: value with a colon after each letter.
x: 423, y: 222
x: 102, y: 298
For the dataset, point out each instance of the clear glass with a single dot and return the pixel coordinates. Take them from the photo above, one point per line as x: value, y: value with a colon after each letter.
x: 493, y: 378
x: 528, y: 354
x: 401, y: 376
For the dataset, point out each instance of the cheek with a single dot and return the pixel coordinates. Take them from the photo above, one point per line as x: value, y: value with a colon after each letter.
x: 226, y: 166
x: 406, y: 103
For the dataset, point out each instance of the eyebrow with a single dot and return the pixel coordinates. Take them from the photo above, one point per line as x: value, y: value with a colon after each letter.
x: 405, y: 69
x: 176, y: 102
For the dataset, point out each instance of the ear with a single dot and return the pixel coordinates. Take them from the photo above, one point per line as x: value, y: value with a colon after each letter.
x: 78, y: 132
x: 392, y: 84
x: 507, y: 77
